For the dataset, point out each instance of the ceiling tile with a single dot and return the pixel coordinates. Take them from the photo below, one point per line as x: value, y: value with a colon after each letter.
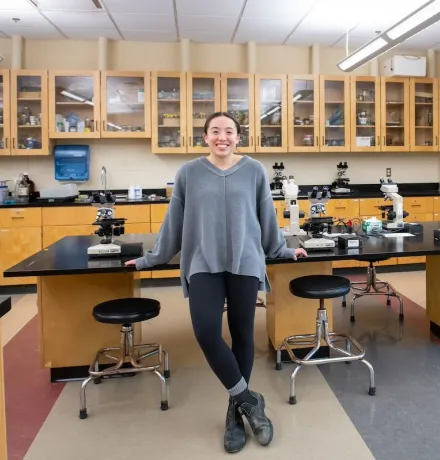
x: 35, y: 33
x: 91, y: 34
x: 267, y: 26
x: 295, y: 11
x: 66, y: 5
x: 300, y: 39
x: 210, y: 7
x: 28, y: 18
x: 216, y: 25
x: 157, y: 22
x: 206, y: 37
x: 72, y: 19
x: 140, y: 6
x: 15, y: 5
x: 262, y: 38
x: 149, y: 36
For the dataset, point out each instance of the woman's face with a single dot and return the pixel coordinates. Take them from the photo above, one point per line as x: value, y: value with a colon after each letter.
x: 222, y: 137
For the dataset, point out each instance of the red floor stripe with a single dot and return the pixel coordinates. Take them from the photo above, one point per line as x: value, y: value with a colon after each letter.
x: 29, y: 394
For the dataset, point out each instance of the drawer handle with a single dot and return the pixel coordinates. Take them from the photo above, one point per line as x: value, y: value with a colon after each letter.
x: 18, y: 217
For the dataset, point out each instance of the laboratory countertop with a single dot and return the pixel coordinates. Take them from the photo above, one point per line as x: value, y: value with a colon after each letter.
x: 357, y: 191
x: 68, y: 256
x: 5, y: 305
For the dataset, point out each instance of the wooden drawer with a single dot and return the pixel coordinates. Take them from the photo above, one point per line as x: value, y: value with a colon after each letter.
x: 346, y: 208
x: 69, y: 215
x: 391, y: 261
x: 54, y: 233
x: 345, y: 263
x: 436, y: 216
x: 436, y: 203
x: 420, y: 205
x: 369, y: 206
x: 158, y: 212
x: 413, y: 217
x: 133, y: 213
x: 20, y: 217
x: 412, y: 260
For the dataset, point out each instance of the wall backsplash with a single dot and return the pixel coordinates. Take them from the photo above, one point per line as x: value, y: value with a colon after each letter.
x: 131, y: 162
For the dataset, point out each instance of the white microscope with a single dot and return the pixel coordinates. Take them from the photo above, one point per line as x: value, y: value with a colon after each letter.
x: 395, y: 213
x: 317, y: 223
x: 291, y: 208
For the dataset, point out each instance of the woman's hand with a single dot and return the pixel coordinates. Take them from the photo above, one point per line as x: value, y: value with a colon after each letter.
x: 300, y: 252
x: 130, y: 263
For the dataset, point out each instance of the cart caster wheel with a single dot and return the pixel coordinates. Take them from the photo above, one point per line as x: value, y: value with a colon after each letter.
x: 352, y: 319
x: 388, y: 302
x: 372, y: 391
x: 292, y: 400
x: 278, y: 366
x: 164, y: 405
x: 401, y: 317
x: 97, y: 381
x: 344, y: 303
x: 82, y: 414
x: 167, y: 374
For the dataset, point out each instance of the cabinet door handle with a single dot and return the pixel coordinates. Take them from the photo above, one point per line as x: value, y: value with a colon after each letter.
x: 258, y: 141
x: 317, y: 140
x: 384, y: 141
x: 252, y: 141
x: 323, y: 140
x: 97, y: 126
x: 183, y: 141
x: 103, y: 124
x: 13, y: 142
x: 378, y: 140
x: 190, y: 141
x: 6, y: 142
x: 17, y: 217
x: 436, y: 140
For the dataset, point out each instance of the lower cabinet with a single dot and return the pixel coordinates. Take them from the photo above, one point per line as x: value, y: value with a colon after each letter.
x: 54, y: 233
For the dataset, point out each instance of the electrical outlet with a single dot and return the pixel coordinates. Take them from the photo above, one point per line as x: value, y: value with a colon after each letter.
x: 388, y: 172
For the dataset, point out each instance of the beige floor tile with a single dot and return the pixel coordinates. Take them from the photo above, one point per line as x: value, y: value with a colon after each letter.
x: 125, y: 421
x: 410, y: 284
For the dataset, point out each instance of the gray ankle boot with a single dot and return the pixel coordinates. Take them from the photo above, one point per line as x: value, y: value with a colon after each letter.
x: 261, y: 426
x: 235, y: 436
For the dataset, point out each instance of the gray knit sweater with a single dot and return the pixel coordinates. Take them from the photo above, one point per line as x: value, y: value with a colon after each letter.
x: 220, y: 221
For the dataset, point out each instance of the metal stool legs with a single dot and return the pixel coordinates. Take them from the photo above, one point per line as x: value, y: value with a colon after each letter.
x: 127, y: 349
x: 314, y: 340
x: 373, y: 287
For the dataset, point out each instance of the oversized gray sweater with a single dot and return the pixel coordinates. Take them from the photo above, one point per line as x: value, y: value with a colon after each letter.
x: 220, y: 221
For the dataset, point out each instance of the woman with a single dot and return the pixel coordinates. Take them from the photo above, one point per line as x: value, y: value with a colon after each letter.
x: 222, y: 218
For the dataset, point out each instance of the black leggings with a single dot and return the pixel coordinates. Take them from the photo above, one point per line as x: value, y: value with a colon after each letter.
x: 207, y: 294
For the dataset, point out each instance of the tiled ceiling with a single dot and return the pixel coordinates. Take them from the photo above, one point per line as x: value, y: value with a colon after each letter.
x: 289, y: 22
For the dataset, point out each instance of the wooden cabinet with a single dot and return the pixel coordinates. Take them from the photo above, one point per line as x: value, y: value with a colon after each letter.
x: 303, y: 113
x: 29, y: 113
x: 419, y: 205
x: 436, y: 204
x: 365, y: 107
x: 5, y: 122
x: 237, y: 98
x: 334, y: 114
x: 53, y: 233
x: 125, y: 104
x: 271, y: 113
x: 74, y: 104
x: 343, y: 209
x: 20, y: 217
x: 68, y: 215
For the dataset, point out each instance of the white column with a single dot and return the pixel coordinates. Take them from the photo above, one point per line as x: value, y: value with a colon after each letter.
x: 374, y: 67
x: 315, y: 60
x: 430, y: 63
x: 17, y: 52
x: 102, y: 53
x: 251, y: 57
x: 185, y: 55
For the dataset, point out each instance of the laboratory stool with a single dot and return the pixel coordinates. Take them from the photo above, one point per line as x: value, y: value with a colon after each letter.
x: 321, y: 287
x: 372, y: 286
x: 126, y: 312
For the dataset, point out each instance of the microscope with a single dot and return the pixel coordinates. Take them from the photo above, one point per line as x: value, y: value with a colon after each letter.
x: 108, y: 226
x: 340, y: 185
x: 317, y: 224
x: 291, y: 208
x: 394, y: 213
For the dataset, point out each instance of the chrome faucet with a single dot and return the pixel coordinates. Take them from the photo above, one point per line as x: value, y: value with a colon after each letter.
x: 104, y: 178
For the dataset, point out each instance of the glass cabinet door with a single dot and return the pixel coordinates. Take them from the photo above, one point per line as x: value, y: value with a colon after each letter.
x: 5, y: 119
x: 29, y: 113
x: 271, y: 113
x: 238, y: 100
x: 365, y: 114
x: 125, y: 97
x: 168, y: 112
x: 335, y: 114
x: 203, y: 99
x: 303, y: 114
x: 75, y: 105
x: 395, y: 114
x: 424, y: 114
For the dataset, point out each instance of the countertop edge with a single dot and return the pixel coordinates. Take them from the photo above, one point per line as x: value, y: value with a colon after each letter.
x: 5, y: 305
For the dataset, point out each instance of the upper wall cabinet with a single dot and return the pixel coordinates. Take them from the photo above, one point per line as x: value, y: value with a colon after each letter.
x: 168, y: 112
x: 424, y: 114
x: 237, y: 96
x: 395, y: 120
x: 203, y: 98
x: 365, y: 114
x: 5, y: 119
x: 271, y: 113
x: 303, y: 113
x: 125, y: 104
x: 29, y: 113
x: 334, y: 93
x: 74, y: 102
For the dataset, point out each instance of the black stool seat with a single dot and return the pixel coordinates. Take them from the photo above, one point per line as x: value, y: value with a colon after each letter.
x: 126, y: 311
x: 372, y: 258
x: 320, y: 286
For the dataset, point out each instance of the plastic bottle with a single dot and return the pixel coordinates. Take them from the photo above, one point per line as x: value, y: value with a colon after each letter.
x: 131, y: 193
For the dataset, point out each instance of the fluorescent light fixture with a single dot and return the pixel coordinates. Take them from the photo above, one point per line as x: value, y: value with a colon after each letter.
x: 75, y: 97
x: 270, y: 112
x: 420, y: 19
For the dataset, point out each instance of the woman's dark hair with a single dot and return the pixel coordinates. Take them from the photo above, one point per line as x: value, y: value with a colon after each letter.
x: 220, y: 114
